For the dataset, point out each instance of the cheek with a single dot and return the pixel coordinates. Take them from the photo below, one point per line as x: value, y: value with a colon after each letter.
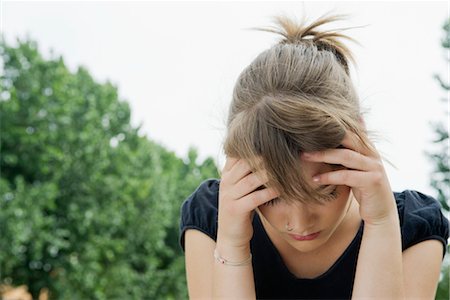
x: 335, y: 208
x: 341, y: 201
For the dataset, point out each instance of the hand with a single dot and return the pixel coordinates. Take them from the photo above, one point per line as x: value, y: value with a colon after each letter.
x: 365, y: 175
x: 238, y: 199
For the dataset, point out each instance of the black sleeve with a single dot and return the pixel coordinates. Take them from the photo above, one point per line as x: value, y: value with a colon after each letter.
x: 199, y: 210
x: 421, y: 219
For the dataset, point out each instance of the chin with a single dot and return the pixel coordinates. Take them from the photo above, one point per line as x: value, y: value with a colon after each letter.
x: 306, y: 248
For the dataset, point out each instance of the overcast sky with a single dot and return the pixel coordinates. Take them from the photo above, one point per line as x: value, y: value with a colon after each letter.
x: 176, y: 64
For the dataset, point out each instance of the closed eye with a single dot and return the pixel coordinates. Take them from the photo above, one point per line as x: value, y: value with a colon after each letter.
x: 272, y: 202
x: 333, y: 194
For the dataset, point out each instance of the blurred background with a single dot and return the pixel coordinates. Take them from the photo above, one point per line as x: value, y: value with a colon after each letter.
x: 112, y: 113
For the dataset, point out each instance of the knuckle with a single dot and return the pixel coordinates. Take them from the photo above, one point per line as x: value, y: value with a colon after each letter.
x: 379, y: 165
x: 378, y: 178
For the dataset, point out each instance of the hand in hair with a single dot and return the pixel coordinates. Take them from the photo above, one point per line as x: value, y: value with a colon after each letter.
x: 239, y: 195
x: 365, y: 175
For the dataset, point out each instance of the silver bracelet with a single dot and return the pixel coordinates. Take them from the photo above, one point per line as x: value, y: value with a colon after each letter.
x: 224, y: 261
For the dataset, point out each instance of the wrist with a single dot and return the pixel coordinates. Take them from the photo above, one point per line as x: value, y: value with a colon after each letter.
x: 233, y: 252
x: 230, y: 241
x: 390, y: 220
x: 224, y: 261
x: 388, y: 217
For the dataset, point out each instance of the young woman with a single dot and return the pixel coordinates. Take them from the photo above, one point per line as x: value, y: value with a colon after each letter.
x: 304, y: 208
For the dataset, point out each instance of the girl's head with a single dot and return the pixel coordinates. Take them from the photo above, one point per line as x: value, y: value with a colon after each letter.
x: 294, y: 97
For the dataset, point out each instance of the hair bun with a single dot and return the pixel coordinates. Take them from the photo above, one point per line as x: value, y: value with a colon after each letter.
x: 302, y: 33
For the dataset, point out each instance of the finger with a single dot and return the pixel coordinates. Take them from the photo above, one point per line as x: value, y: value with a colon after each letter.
x: 229, y: 163
x: 257, y: 198
x: 352, y: 141
x: 351, y: 178
x: 241, y: 169
x: 345, y: 157
x: 249, y: 183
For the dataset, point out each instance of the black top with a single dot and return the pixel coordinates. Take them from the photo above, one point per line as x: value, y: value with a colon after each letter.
x: 420, y: 219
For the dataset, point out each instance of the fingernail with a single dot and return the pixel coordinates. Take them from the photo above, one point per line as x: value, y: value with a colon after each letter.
x: 316, y: 178
x: 306, y: 154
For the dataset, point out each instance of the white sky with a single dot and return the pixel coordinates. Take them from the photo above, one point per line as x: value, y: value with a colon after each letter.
x: 176, y: 64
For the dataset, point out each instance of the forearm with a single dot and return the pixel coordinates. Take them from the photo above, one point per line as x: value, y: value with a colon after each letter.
x: 233, y: 282
x: 379, y: 271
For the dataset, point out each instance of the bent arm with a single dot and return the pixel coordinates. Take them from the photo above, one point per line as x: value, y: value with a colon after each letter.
x: 379, y: 271
x: 209, y: 279
x: 384, y: 272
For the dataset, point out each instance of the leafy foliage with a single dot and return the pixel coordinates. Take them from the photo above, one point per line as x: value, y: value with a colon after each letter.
x: 440, y: 179
x: 88, y: 207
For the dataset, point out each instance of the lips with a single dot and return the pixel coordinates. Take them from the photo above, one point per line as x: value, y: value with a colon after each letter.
x: 308, y: 237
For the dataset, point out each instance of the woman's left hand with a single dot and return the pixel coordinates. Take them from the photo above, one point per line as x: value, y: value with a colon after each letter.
x: 365, y: 175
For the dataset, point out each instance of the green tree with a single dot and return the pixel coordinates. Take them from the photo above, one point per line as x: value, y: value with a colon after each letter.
x: 89, y: 207
x: 440, y: 179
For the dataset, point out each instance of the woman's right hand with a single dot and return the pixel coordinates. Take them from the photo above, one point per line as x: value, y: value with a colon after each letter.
x: 238, y: 198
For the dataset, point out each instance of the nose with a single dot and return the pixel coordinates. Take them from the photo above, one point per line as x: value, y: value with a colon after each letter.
x: 302, y: 218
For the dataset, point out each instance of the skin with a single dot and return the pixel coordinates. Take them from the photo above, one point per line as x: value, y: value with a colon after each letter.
x: 304, y: 218
x: 338, y: 222
x: 362, y: 178
x: 363, y: 174
x: 363, y: 189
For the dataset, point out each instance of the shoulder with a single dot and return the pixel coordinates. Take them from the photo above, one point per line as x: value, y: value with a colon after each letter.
x: 199, y: 210
x: 421, y: 218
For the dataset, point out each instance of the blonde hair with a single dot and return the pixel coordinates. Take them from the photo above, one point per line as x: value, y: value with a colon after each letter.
x: 294, y: 97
